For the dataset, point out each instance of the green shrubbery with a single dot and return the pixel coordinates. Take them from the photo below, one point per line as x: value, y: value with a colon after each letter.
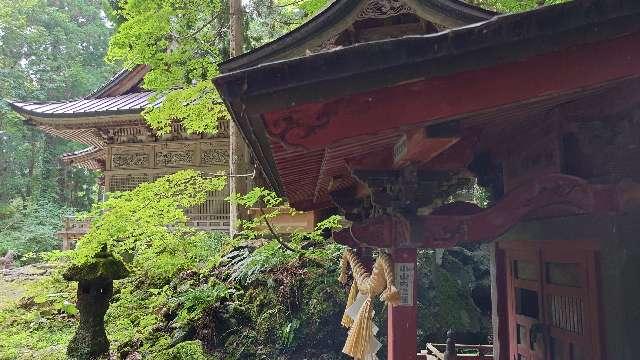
x: 290, y: 306
x: 191, y: 291
x: 194, y: 295
x: 30, y: 226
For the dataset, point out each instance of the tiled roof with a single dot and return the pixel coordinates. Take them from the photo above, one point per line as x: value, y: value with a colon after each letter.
x: 90, y: 158
x: 129, y: 103
x: 114, y: 80
x: 125, y: 81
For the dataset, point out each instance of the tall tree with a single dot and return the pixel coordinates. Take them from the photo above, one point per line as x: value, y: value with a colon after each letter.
x: 49, y: 50
x: 182, y: 41
x: 237, y: 147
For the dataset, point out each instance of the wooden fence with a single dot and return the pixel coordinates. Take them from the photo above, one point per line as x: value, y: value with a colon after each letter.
x: 452, y: 351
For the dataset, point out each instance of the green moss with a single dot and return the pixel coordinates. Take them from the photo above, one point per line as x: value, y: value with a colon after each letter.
x: 188, y: 350
x: 103, y: 267
x: 42, y: 331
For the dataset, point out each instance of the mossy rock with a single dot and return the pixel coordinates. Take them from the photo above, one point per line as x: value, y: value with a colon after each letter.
x: 103, y: 267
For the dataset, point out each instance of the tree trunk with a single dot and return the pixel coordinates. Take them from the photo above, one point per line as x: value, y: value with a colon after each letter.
x: 31, y: 167
x: 237, y: 147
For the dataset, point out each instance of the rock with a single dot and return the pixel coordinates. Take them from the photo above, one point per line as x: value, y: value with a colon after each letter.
x: 27, y: 303
x: 8, y: 260
x: 134, y: 356
x: 182, y: 334
x: 129, y: 350
x: 29, y: 272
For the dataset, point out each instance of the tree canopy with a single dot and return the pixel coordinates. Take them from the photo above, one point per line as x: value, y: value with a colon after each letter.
x: 182, y: 41
x: 50, y: 50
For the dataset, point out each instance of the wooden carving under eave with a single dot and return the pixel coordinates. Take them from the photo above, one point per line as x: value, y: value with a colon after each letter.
x: 417, y: 147
x: 554, y: 194
x: 381, y: 232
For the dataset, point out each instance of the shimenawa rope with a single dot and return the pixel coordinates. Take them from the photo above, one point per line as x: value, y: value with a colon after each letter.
x: 361, y: 343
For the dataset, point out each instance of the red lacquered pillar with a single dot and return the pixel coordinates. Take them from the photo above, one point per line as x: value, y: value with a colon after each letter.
x: 403, y: 319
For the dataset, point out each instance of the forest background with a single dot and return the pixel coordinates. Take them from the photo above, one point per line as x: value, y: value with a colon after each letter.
x: 250, y: 299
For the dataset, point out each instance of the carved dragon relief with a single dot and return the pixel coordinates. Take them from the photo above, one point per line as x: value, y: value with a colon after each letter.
x: 561, y: 194
x: 293, y: 129
x: 373, y: 9
x: 326, y: 45
x: 215, y: 157
x: 174, y: 158
x: 130, y: 160
x: 381, y: 9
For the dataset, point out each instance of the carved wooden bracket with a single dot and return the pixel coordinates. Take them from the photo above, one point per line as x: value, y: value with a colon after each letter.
x: 379, y: 232
x: 549, y: 195
x: 405, y: 190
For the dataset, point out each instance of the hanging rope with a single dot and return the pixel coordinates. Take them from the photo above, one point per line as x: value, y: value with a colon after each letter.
x: 361, y: 343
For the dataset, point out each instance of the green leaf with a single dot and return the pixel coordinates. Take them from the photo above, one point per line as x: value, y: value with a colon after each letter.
x: 69, y: 308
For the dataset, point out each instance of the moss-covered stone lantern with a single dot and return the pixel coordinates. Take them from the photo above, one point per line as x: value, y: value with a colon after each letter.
x: 95, y: 288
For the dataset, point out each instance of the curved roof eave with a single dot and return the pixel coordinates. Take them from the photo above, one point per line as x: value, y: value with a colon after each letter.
x: 91, y: 158
x: 84, y: 120
x: 122, y: 82
x: 88, y: 121
x: 339, y: 16
x: 249, y: 93
x: 86, y: 113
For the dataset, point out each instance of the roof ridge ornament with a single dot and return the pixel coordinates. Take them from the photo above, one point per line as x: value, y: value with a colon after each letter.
x: 381, y: 9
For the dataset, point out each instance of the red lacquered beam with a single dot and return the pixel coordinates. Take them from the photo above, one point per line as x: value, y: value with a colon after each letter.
x: 550, y: 195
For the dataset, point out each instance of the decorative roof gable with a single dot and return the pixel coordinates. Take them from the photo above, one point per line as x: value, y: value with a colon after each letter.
x: 348, y: 22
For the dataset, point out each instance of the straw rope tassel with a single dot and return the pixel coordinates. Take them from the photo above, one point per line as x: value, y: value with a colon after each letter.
x: 360, y: 334
x: 379, y: 282
x: 390, y: 295
x: 347, y: 321
x: 344, y: 263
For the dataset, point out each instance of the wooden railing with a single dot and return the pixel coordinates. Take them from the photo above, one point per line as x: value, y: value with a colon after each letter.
x: 210, y: 222
x: 73, y: 229
x: 463, y: 352
x: 453, y: 351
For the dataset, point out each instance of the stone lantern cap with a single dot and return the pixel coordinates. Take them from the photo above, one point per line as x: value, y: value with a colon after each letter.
x: 103, y: 267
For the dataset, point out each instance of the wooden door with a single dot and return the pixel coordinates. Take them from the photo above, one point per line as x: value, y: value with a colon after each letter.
x: 552, y: 300
x: 525, y: 305
x: 570, y: 303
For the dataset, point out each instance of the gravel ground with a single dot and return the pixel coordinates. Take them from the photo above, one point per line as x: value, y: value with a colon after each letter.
x: 13, y: 281
x: 10, y: 291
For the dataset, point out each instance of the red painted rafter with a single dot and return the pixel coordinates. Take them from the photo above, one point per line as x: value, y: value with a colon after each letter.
x: 415, y: 147
x: 492, y: 130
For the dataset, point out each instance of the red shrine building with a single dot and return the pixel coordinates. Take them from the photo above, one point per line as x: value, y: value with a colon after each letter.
x: 348, y: 114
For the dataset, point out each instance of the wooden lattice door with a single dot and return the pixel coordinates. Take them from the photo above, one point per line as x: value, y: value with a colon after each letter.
x: 552, y: 300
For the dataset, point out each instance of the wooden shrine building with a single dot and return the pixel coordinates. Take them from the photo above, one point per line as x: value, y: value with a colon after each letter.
x: 542, y: 109
x: 125, y: 149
